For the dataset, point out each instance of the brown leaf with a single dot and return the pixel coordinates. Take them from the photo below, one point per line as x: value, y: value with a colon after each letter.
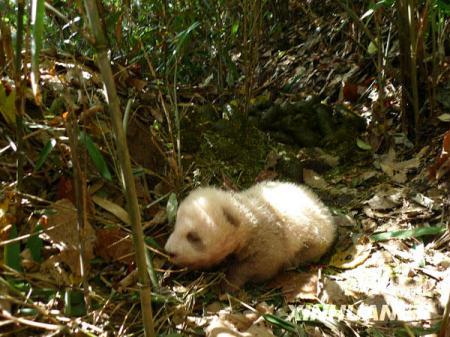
x: 266, y: 175
x: 297, y: 286
x: 113, y: 208
x: 61, y: 230
x: 65, y: 189
x: 114, y: 244
x: 312, y: 179
x: 6, y: 213
x: 138, y: 84
x: 441, y: 165
x: 228, y: 324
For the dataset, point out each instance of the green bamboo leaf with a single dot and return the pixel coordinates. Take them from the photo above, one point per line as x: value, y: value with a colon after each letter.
x: 44, y: 153
x: 152, y: 242
x: 363, y: 145
x: 179, y: 41
x: 235, y: 28
x: 95, y: 155
x: 12, y: 251
x: 74, y: 303
x: 37, y: 32
x: 372, y: 48
x: 274, y: 320
x: 171, y: 208
x: 35, y: 244
x: 408, y: 233
x: 28, y: 311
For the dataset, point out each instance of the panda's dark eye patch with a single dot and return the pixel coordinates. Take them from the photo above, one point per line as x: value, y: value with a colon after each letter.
x: 230, y: 218
x: 195, y: 239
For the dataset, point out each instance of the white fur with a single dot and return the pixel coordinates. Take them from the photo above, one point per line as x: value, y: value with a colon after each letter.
x: 270, y: 226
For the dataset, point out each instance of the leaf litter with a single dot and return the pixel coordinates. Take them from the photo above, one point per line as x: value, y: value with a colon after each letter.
x: 394, y: 256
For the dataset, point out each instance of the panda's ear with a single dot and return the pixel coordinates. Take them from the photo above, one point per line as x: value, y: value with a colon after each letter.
x: 230, y: 217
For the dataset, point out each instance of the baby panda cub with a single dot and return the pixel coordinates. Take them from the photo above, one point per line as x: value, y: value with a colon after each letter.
x: 267, y: 228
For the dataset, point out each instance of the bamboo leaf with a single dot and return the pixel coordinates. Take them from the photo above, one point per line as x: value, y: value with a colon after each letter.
x: 180, y: 40
x: 35, y: 244
x: 408, y: 233
x: 281, y: 323
x: 171, y: 208
x: 235, y: 28
x: 12, y: 251
x: 363, y: 145
x: 95, y: 155
x: 44, y: 153
x: 74, y: 303
x: 37, y: 30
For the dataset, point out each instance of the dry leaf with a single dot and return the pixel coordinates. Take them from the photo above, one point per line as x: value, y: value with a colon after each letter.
x: 297, y: 286
x: 352, y: 256
x: 397, y: 171
x: 158, y: 219
x: 237, y: 325
x: 113, y: 208
x: 386, y: 200
x: 333, y: 294
x: 61, y: 230
x: 114, y: 244
x: 6, y: 214
x: 312, y: 179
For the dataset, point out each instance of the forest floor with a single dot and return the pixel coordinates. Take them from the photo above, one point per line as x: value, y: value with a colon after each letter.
x: 388, y: 275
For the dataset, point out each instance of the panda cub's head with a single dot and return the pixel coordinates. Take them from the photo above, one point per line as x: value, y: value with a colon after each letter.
x: 205, y: 229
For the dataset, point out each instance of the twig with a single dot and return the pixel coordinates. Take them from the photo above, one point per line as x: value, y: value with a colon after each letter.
x: 39, y: 325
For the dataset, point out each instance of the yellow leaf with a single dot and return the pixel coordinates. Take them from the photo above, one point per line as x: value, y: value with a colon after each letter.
x: 353, y: 256
x: 7, y: 105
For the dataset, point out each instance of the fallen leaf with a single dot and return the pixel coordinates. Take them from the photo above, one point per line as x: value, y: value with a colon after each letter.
x: 353, y: 256
x: 312, y: 179
x: 397, y: 171
x: 61, y: 230
x: 266, y: 175
x: 7, y: 105
x: 114, y: 244
x: 6, y: 213
x: 387, y: 197
x: 442, y: 163
x: 297, y: 286
x: 5, y: 304
x: 381, y: 202
x: 333, y: 293
x: 113, y: 208
x: 424, y: 201
x: 64, y: 189
x: 228, y: 324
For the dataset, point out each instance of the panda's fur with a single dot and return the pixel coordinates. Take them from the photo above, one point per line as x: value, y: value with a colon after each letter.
x: 266, y: 228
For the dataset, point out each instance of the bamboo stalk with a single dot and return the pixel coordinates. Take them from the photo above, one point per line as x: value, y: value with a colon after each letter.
x: 20, y: 105
x: 104, y: 65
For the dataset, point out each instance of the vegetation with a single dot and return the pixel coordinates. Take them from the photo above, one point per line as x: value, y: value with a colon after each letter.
x: 110, y: 112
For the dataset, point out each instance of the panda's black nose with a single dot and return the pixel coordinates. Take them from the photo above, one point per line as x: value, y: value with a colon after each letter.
x: 172, y: 255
